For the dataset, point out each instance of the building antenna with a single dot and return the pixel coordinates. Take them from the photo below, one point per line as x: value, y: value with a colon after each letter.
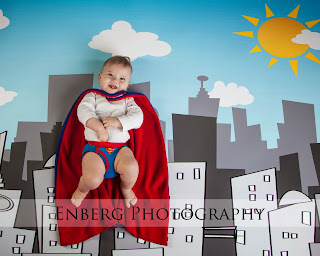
x: 202, y: 79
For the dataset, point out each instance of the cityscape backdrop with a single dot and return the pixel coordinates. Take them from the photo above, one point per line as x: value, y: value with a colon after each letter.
x: 239, y: 117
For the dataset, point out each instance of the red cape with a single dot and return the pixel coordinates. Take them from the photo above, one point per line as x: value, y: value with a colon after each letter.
x: 103, y: 207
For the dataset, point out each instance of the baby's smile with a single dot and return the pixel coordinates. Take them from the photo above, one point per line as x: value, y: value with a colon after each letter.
x: 113, y: 86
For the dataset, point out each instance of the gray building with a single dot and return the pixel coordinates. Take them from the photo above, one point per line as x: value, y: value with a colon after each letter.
x: 203, y: 105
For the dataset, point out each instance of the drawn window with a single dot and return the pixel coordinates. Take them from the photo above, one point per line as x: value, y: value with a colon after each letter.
x: 171, y: 230
x: 53, y: 227
x: 187, y: 213
x: 50, y: 190
x: 0, y: 233
x: 241, y: 236
x: 75, y: 246
x: 141, y: 241
x: 53, y: 243
x: 20, y: 239
x: 266, y: 253
x: 180, y: 175
x: 266, y: 178
x: 247, y: 211
x: 284, y: 253
x: 294, y: 236
x: 189, y: 239
x: 252, y: 197
x: 52, y: 216
x: 50, y: 199
x: 176, y: 215
x: 1, y: 180
x: 252, y: 187
x: 16, y: 250
x: 306, y: 218
x: 285, y: 235
x: 120, y: 235
x: 196, y: 173
x: 270, y: 197
x: 188, y: 206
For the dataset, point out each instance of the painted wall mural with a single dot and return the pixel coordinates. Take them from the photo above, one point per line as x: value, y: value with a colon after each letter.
x: 235, y: 85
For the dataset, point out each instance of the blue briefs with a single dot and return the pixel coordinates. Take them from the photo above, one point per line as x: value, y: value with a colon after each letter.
x: 108, y: 152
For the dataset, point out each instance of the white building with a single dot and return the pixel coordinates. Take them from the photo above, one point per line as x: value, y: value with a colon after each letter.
x: 292, y: 227
x: 186, y: 190
x: 13, y: 241
x: 253, y: 196
x: 47, y: 213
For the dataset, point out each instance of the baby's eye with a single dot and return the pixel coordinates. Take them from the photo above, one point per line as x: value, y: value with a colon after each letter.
x: 122, y: 78
x: 109, y: 74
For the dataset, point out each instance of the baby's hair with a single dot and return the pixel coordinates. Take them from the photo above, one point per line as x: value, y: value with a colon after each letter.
x: 117, y: 59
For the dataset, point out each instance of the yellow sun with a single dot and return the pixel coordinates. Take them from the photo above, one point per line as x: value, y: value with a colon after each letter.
x: 275, y: 36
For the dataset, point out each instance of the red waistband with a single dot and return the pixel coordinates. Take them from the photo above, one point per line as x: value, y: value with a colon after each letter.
x: 106, y: 144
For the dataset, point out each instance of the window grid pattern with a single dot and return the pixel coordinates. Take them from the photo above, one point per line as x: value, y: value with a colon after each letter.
x: 252, y: 197
x: 252, y: 188
x: 16, y: 250
x: 189, y: 239
x: 120, y: 235
x: 196, y: 173
x: 180, y: 176
x: 266, y: 178
x: 20, y: 239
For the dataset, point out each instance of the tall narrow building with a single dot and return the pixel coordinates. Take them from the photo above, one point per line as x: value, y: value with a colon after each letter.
x: 203, y: 105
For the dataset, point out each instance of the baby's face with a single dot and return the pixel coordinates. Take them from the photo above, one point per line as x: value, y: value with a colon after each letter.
x: 114, y: 78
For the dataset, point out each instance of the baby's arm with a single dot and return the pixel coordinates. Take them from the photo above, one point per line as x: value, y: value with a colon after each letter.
x: 95, y: 124
x: 87, y: 116
x: 111, y: 122
x: 133, y: 118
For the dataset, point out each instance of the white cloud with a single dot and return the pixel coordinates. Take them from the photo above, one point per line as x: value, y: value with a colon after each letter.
x: 308, y: 37
x: 123, y: 40
x: 231, y: 95
x: 4, y: 21
x: 6, y: 96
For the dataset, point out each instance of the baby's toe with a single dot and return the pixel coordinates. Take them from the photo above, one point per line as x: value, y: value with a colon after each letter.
x: 134, y: 201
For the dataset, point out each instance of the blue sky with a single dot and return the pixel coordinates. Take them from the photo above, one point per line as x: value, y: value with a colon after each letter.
x: 51, y: 37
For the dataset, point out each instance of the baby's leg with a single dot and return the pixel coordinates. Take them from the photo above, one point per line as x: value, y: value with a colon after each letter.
x: 126, y: 165
x: 93, y: 171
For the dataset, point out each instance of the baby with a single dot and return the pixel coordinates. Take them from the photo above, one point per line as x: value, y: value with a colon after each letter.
x: 106, y: 129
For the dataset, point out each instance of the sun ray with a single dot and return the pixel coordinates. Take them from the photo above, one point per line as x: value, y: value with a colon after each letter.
x: 269, y: 13
x: 245, y: 33
x: 294, y: 13
x: 272, y: 62
x: 253, y: 20
x: 310, y: 56
x: 294, y: 66
x: 310, y: 24
x: 256, y: 49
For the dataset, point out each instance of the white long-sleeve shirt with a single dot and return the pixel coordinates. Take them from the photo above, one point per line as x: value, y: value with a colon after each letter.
x: 126, y: 110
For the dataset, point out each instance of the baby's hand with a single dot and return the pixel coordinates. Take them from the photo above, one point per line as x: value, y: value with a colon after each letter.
x: 103, y: 134
x: 111, y: 122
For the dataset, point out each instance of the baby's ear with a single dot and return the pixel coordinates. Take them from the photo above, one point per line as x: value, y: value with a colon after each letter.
x: 128, y: 86
x: 99, y: 77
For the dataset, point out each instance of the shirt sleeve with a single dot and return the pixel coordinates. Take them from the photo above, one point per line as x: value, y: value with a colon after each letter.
x: 86, y: 108
x: 133, y: 118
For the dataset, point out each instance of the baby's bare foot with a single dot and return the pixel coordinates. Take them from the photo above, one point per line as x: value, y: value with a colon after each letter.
x: 78, y: 197
x: 129, y: 197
